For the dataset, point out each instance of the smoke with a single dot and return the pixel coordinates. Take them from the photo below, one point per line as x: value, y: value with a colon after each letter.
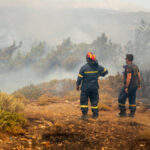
x: 12, y: 81
x: 52, y: 25
x: 103, y: 4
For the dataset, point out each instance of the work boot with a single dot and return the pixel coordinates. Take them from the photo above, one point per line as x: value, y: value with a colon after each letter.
x: 84, y: 117
x: 122, y: 113
x: 95, y: 116
x: 132, y: 113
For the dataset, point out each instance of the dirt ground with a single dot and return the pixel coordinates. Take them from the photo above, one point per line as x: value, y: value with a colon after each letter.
x: 57, y: 126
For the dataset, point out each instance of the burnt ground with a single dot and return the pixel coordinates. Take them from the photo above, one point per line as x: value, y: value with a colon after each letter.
x: 58, y: 127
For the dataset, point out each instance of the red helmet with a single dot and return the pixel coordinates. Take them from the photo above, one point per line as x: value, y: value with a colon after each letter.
x: 91, y: 56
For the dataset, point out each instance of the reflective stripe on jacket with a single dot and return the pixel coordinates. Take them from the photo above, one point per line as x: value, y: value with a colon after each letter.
x: 88, y: 76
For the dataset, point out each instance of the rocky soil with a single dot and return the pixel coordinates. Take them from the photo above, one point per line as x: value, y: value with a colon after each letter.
x: 58, y: 127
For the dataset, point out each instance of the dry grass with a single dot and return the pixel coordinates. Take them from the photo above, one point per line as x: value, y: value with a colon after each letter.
x: 144, y: 134
x: 72, y: 96
x: 46, y: 99
x: 107, y: 99
x: 103, y: 107
x: 35, y: 112
x: 11, y: 103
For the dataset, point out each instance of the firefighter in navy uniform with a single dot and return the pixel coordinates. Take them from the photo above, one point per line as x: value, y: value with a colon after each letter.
x: 132, y: 81
x: 88, y: 79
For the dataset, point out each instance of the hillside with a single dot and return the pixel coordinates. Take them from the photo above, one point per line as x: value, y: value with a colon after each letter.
x: 43, y: 47
x: 57, y: 126
x: 50, y: 119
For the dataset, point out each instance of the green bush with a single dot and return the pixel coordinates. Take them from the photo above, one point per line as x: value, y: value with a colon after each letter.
x: 11, y: 122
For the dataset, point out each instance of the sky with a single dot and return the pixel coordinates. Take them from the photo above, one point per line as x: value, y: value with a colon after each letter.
x: 127, y: 5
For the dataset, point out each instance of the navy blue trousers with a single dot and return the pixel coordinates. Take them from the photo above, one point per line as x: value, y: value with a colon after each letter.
x: 94, y: 98
x: 131, y: 95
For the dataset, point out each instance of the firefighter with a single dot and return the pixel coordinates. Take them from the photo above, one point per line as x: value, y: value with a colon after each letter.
x: 132, y: 81
x: 88, y: 79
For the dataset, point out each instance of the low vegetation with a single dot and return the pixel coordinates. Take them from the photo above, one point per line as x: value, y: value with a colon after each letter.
x: 12, y: 122
x: 43, y: 105
x: 10, y: 107
x: 58, y: 90
x: 11, y: 103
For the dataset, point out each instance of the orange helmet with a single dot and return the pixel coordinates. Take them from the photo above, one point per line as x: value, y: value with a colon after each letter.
x: 91, y: 56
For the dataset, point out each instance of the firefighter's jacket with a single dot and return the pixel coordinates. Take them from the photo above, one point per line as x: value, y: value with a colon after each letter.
x: 88, y: 76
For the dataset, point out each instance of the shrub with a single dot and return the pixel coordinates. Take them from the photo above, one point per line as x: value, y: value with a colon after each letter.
x: 58, y: 87
x: 54, y: 87
x: 144, y: 134
x: 11, y: 122
x: 21, y: 97
x: 116, y: 83
x: 10, y: 103
x: 31, y: 92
